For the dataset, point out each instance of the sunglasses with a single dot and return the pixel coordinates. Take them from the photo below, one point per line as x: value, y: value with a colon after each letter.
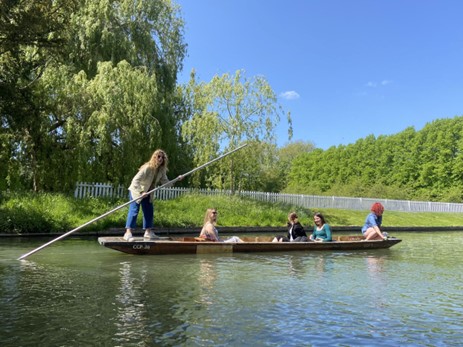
x: 215, y: 212
x: 161, y: 156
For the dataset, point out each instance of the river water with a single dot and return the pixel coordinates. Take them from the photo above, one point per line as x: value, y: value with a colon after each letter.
x: 78, y: 293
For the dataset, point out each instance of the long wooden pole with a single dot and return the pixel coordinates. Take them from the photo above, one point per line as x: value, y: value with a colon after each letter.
x: 128, y: 203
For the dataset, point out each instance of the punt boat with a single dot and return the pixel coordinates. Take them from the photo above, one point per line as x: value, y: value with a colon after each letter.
x: 195, y: 245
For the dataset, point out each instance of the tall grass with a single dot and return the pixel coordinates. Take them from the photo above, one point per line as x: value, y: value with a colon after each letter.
x: 189, y: 210
x: 51, y: 213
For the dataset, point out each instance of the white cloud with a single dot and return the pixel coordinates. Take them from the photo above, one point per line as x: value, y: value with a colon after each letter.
x: 290, y: 95
x: 374, y: 84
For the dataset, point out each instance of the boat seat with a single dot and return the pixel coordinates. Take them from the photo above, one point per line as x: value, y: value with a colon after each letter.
x: 200, y: 239
x: 193, y: 239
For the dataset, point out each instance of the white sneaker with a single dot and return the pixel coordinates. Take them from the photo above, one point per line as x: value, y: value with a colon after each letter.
x: 128, y: 236
x: 150, y: 235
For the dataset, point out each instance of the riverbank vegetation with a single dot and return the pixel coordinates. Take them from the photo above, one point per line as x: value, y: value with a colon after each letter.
x: 57, y: 213
x: 425, y: 165
x: 89, y: 90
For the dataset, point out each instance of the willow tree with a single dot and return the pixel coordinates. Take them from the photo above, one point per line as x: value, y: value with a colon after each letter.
x: 109, y: 100
x: 125, y: 57
x: 224, y: 113
x: 32, y: 37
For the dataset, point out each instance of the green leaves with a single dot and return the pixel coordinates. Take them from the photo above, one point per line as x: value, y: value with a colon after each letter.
x: 423, y: 165
x: 227, y: 111
x: 89, y: 88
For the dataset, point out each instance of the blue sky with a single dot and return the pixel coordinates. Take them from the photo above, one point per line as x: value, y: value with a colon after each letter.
x: 345, y: 69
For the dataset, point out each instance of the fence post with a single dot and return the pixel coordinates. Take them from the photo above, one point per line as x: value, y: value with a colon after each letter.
x: 76, y: 191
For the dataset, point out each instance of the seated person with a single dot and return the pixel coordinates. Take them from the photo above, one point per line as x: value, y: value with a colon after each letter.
x: 371, y: 229
x: 296, y: 231
x: 209, y: 231
x: 321, y: 230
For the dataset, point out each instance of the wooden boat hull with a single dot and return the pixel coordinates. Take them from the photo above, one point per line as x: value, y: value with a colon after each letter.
x: 190, y: 245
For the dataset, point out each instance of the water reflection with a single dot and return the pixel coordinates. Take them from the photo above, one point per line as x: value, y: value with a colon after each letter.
x: 296, y: 266
x: 156, y: 300
x: 131, y: 315
x: 408, y: 296
x: 206, y: 278
x: 9, y: 306
x: 376, y: 286
x: 375, y: 266
x: 320, y: 264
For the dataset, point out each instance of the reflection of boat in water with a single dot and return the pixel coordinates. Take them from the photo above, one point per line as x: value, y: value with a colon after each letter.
x: 194, y: 245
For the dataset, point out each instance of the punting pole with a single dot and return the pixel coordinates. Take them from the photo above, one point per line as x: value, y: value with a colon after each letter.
x: 128, y: 203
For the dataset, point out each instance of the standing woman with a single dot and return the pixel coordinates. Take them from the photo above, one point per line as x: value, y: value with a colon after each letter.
x: 373, y: 222
x: 149, y: 175
x: 321, y: 230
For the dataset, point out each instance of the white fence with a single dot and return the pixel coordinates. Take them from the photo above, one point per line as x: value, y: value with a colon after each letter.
x: 84, y: 189
x: 307, y: 201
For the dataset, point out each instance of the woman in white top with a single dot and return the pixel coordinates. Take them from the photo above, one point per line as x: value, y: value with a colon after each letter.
x: 209, y: 231
x: 149, y: 175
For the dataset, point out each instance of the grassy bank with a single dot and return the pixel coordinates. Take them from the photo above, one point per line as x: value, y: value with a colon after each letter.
x: 52, y: 213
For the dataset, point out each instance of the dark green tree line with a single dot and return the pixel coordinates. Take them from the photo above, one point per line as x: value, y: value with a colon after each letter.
x: 422, y: 165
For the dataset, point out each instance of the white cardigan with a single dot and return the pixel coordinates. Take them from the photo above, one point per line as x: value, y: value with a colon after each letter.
x: 145, y: 179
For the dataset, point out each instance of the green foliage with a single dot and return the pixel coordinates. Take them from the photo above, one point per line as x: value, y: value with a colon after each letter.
x: 276, y: 175
x: 189, y: 211
x: 50, y: 213
x: 419, y: 165
x: 454, y: 194
x: 32, y: 37
x: 88, y: 90
x: 23, y: 213
x: 223, y: 114
x: 53, y: 213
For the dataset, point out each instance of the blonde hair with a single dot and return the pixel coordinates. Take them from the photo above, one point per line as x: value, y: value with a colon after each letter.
x: 208, y: 216
x: 154, y: 161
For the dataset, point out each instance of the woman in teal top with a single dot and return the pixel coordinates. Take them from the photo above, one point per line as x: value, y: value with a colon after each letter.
x: 321, y: 230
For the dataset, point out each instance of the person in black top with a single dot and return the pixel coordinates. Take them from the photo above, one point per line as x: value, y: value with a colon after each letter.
x: 296, y: 232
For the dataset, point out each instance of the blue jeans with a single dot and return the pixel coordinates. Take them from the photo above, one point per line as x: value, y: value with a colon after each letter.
x: 134, y: 208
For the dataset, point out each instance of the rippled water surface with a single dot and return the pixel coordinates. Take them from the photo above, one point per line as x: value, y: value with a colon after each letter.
x: 77, y: 293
